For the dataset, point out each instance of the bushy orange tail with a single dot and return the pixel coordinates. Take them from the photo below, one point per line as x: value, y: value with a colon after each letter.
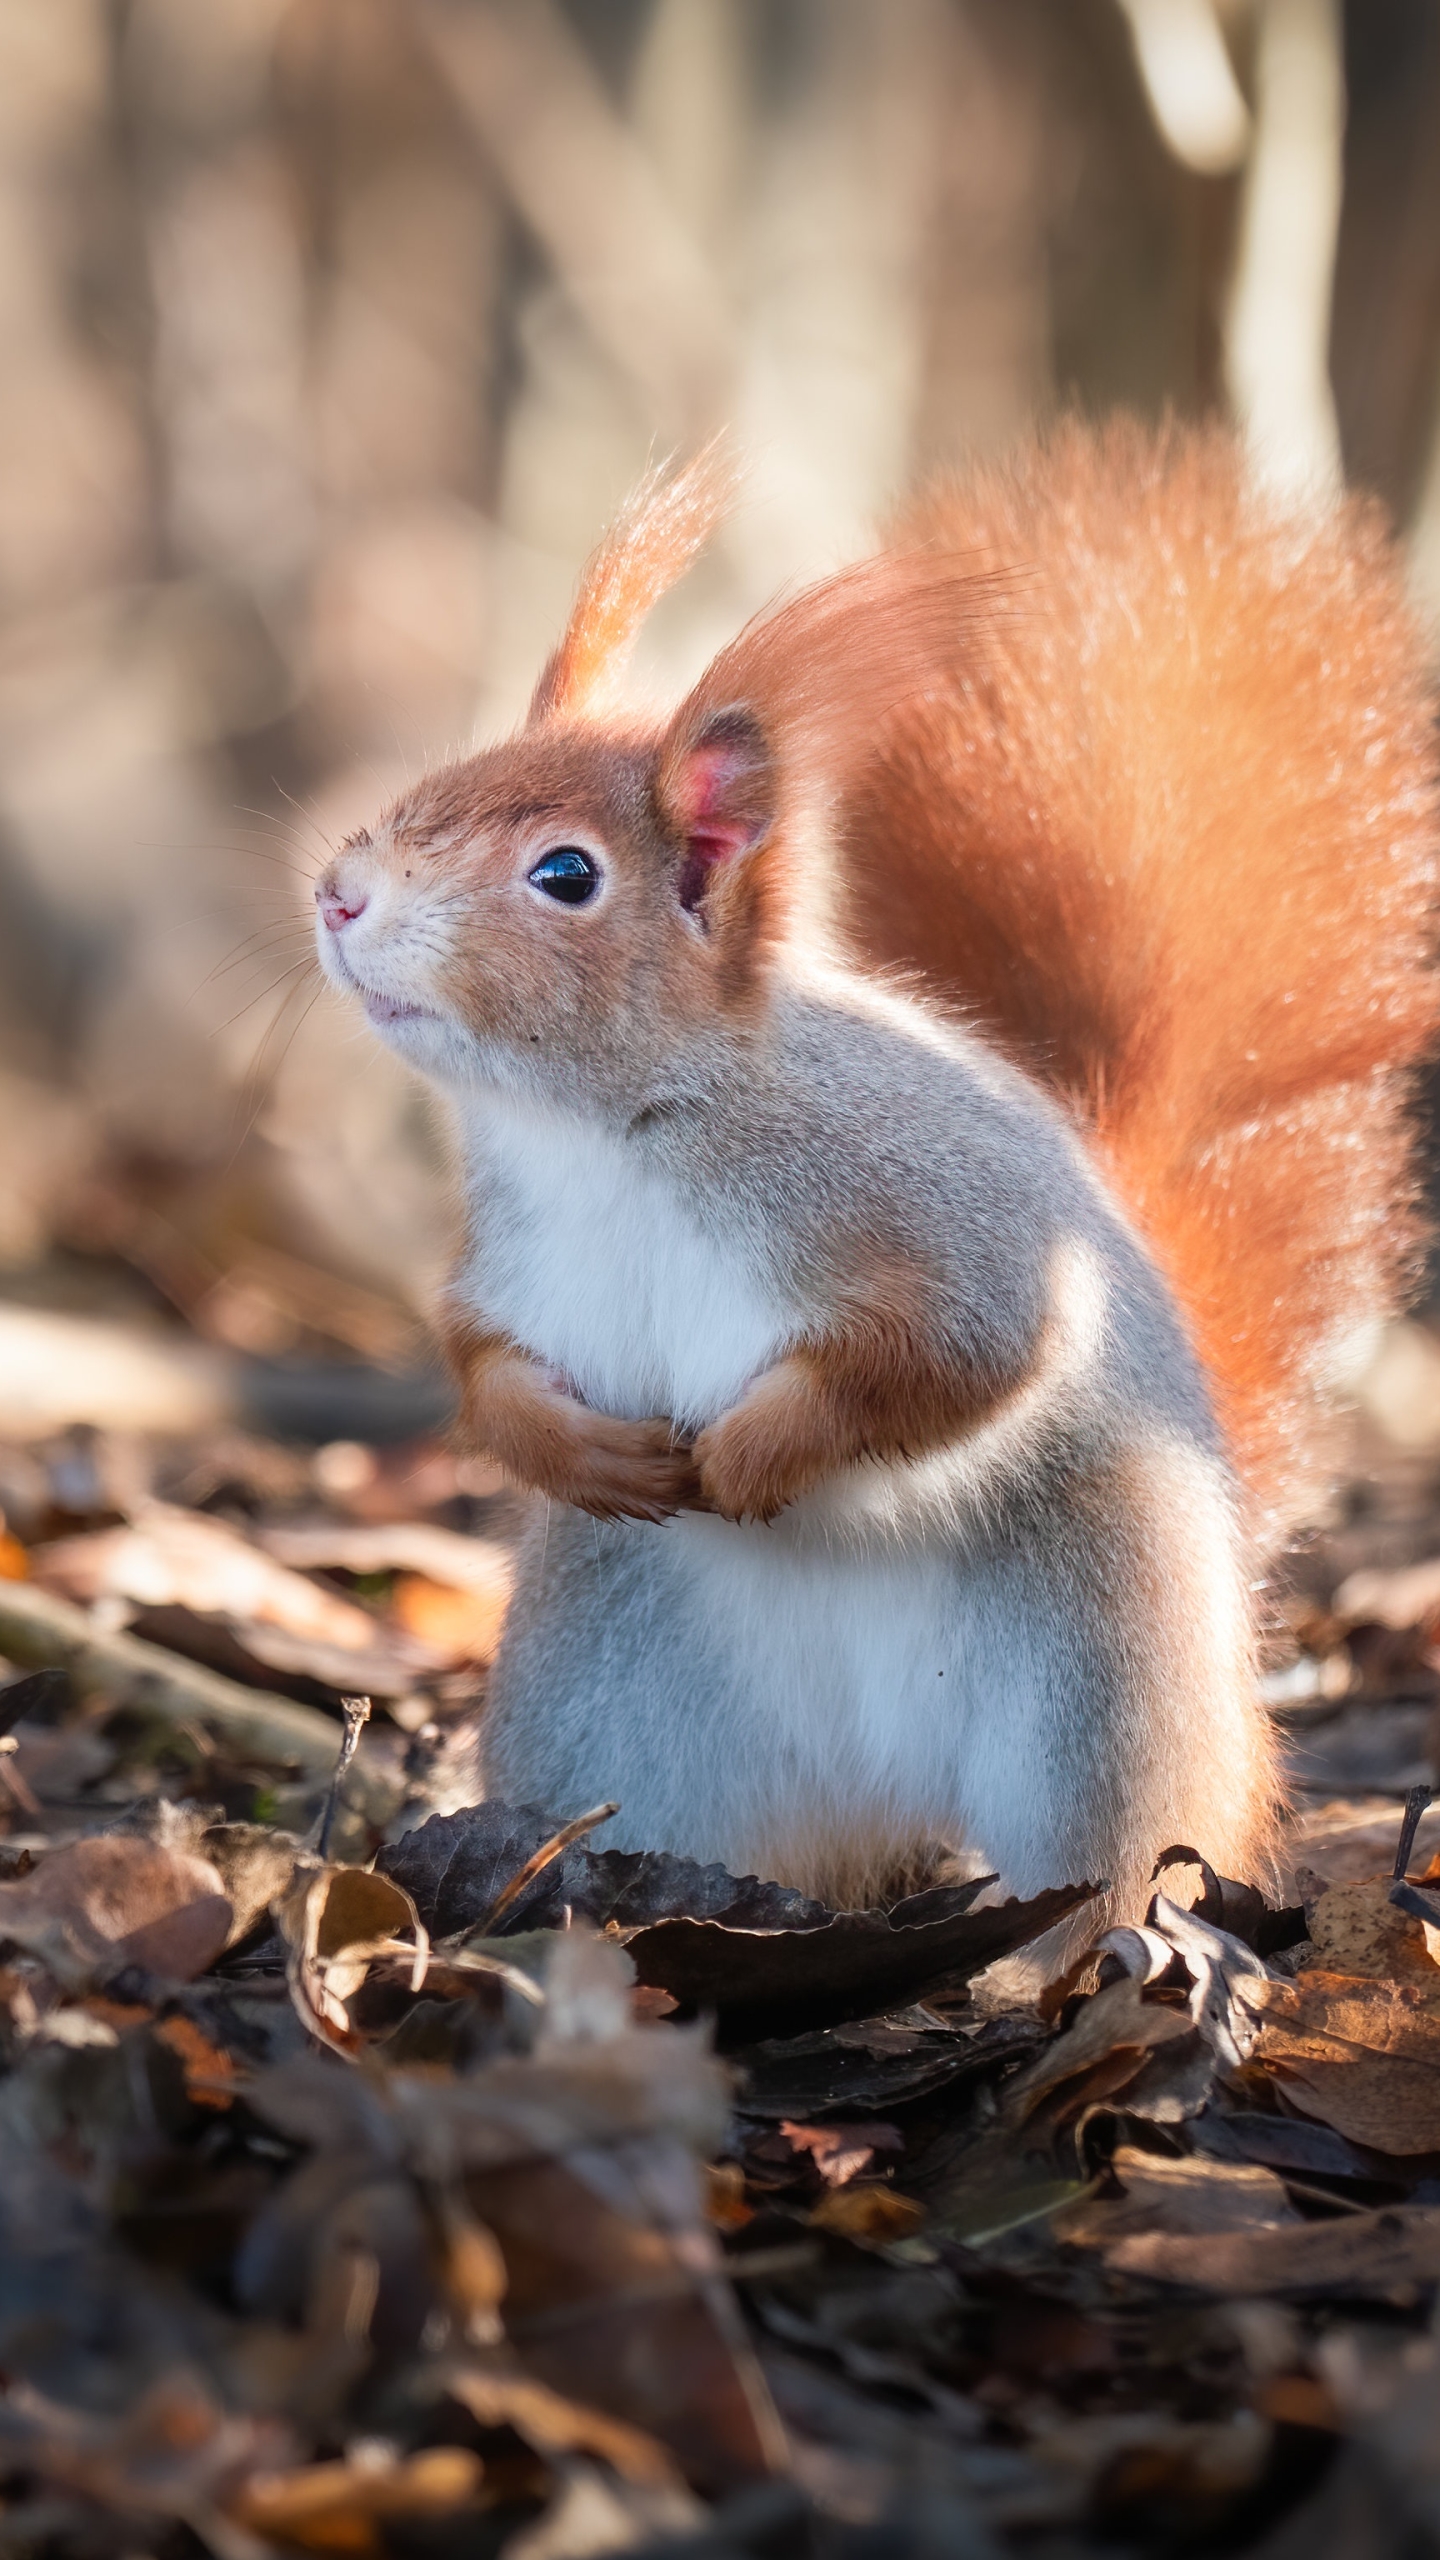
x: 1175, y: 846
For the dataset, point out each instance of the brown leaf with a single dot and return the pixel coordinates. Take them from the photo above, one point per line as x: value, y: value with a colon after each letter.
x: 1184, y: 2198
x: 167, y: 1555
x: 856, y: 1964
x: 1115, y: 2026
x: 99, y: 1904
x: 1362, y: 2055
x: 456, y: 1626
x: 871, y: 2215
x: 842, y: 2151
x: 335, y: 1921
x: 553, y: 2424
x: 1363, y: 2253
x: 336, y: 2506
x: 1356, y: 1929
x: 206, y: 2066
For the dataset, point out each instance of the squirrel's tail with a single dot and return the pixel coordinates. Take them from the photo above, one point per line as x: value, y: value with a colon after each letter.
x: 1175, y: 846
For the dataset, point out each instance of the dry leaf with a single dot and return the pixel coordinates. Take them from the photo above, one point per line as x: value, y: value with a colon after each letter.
x: 335, y: 1921
x: 1186, y: 2198
x: 168, y: 1556
x: 1362, y: 2055
x: 1361, y: 2253
x: 207, y: 2066
x: 457, y: 1626
x: 335, y: 2506
x: 99, y: 1904
x: 1114, y: 2029
x: 868, y: 2214
x: 1356, y: 1929
x: 842, y: 2151
x: 1407, y: 1598
x: 552, y: 2424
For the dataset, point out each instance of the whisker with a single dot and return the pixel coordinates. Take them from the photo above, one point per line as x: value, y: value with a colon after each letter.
x: 261, y: 1077
x: 260, y: 946
x: 309, y: 962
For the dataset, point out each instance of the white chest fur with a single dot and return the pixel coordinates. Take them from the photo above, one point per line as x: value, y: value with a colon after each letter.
x: 590, y: 1257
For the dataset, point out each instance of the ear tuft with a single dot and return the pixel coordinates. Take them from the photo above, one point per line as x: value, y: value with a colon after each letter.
x: 664, y: 524
x: 717, y: 789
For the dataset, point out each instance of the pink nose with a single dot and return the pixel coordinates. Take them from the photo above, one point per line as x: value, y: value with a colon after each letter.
x: 338, y: 911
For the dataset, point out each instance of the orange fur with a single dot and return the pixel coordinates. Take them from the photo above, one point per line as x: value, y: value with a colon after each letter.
x: 882, y: 1386
x: 1175, y: 848
x: 664, y: 525
x: 546, y: 1439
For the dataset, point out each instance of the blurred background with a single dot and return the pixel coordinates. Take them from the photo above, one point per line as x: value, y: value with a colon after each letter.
x: 330, y: 333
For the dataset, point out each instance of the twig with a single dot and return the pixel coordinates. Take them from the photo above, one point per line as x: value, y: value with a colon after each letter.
x: 356, y: 1712
x: 536, y: 1865
x: 1415, y: 1804
x: 40, y: 1631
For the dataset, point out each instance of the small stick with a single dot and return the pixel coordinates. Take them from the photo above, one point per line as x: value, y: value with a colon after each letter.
x: 548, y: 1850
x: 356, y: 1712
x: 1415, y: 1804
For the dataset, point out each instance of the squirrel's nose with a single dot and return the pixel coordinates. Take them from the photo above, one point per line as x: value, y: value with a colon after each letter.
x: 338, y: 911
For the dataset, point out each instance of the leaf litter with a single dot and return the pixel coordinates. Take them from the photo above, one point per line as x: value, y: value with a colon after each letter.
x: 385, y: 2174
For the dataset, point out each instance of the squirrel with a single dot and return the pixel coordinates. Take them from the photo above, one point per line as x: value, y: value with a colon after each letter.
x: 932, y: 1118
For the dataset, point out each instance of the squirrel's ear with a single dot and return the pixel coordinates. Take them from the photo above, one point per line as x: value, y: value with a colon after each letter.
x: 718, y: 790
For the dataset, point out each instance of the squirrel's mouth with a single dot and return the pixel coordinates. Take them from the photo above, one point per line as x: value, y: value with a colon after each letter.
x: 388, y: 1009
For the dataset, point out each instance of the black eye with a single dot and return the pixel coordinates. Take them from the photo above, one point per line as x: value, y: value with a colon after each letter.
x: 566, y: 874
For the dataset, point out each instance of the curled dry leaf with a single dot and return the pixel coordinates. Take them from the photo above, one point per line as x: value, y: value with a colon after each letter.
x: 872, y: 2215
x: 1098, y: 2053
x: 337, y: 2506
x: 553, y: 2424
x: 167, y: 1556
x: 102, y: 1903
x: 335, y: 1921
x: 1361, y: 2253
x: 841, y: 2152
x: 1363, y: 2056
x: 1183, y: 2198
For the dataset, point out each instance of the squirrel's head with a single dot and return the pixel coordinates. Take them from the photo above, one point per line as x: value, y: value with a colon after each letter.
x: 577, y: 908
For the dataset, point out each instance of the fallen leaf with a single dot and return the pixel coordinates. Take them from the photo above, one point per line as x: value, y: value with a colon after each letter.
x: 841, y: 2152
x: 207, y: 2067
x: 1362, y: 2055
x: 166, y: 1555
x: 1188, y: 2198
x: 457, y: 1865
x: 1356, y: 1929
x: 551, y: 2423
x: 872, y: 2215
x: 873, y: 2062
x: 394, y: 1546
x: 1114, y: 2029
x: 458, y: 1626
x: 1359, y: 2253
x: 854, y: 1964
x: 113, y: 1900
x: 336, y: 2506
x: 335, y: 1921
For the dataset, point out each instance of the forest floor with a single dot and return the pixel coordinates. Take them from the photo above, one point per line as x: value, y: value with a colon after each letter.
x: 385, y: 2174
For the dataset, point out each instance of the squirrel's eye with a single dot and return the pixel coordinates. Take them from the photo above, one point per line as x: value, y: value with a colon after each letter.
x: 566, y: 874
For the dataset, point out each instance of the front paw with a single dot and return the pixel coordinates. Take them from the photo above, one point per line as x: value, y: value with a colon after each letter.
x: 626, y: 1470
x: 751, y: 1462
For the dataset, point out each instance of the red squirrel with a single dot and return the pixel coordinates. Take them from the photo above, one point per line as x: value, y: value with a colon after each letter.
x: 931, y: 1113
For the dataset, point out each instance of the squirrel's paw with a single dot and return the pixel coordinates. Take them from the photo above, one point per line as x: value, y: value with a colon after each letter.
x: 624, y: 1470
x: 753, y: 1460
